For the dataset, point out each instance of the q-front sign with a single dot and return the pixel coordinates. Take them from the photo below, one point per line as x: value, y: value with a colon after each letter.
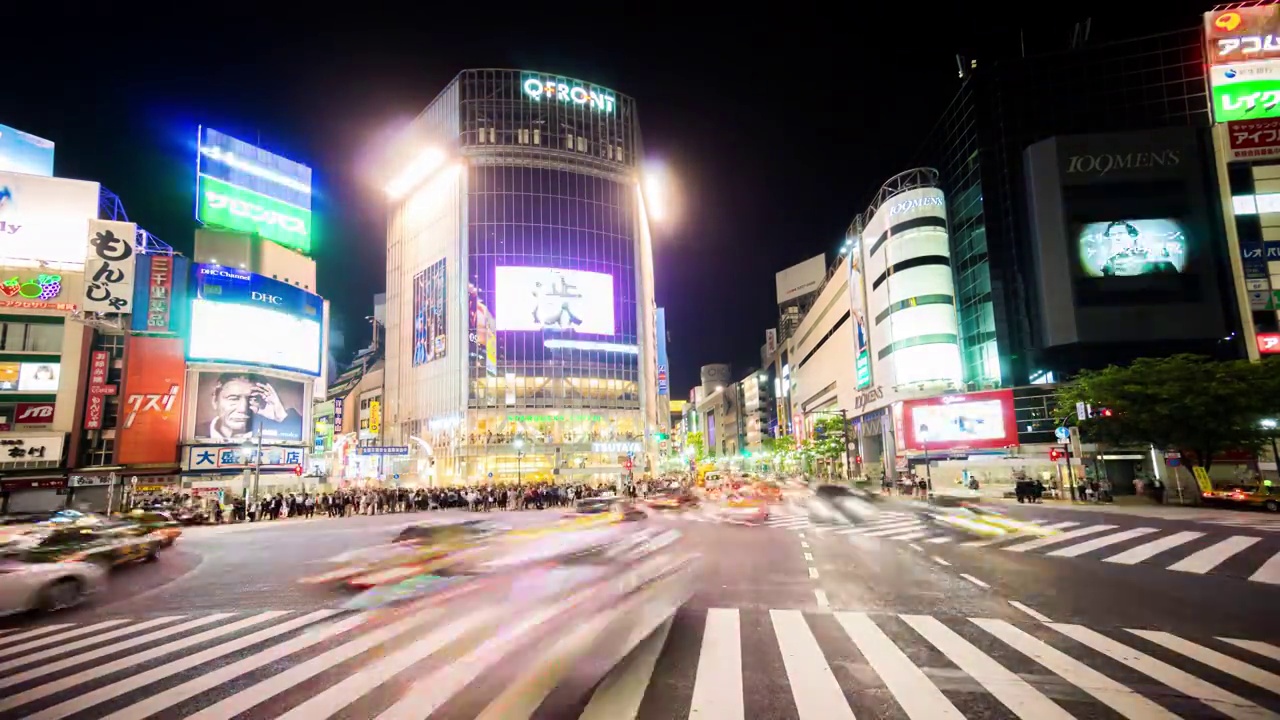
x: 567, y: 92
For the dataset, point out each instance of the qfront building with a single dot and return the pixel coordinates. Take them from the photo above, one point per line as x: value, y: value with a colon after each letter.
x: 521, y: 325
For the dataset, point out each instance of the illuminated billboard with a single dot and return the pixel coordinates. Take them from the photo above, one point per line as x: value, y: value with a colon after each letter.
x: 950, y: 422
x: 241, y: 317
x: 483, y: 335
x: 22, y: 152
x: 1245, y: 91
x: 34, y: 377
x: 245, y: 188
x: 151, y: 414
x: 1242, y: 34
x: 236, y: 406
x: 858, y: 312
x: 44, y: 219
x: 430, y: 314
x: 538, y: 298
x: 568, y: 92
x: 1129, y: 248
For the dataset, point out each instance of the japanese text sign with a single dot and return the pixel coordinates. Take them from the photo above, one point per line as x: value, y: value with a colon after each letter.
x: 110, y: 265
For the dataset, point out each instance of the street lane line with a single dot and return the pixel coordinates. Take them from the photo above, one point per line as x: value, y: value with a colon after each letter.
x: 1030, y: 611
x: 1227, y: 703
x: 919, y: 697
x: 1214, y: 555
x: 1123, y: 700
x: 619, y: 695
x: 717, y: 686
x: 1023, y: 700
x: 915, y: 526
x: 84, y: 701
x: 821, y: 598
x: 1269, y: 572
x: 940, y: 561
x: 86, y: 642
x: 1255, y: 646
x: 988, y: 541
x: 167, y: 699
x: 1214, y: 659
x: 804, y: 544
x: 296, y: 675
x: 339, y: 695
x: 1060, y: 525
x: 974, y: 580
x: 891, y: 526
x: 100, y: 671
x: 808, y: 557
x: 1055, y: 539
x: 939, y: 539
x: 59, y: 638
x: 914, y: 546
x: 1090, y: 545
x: 814, y: 687
x: 813, y: 573
x: 35, y: 633
x: 108, y: 650
x: 1147, y: 550
x: 801, y: 535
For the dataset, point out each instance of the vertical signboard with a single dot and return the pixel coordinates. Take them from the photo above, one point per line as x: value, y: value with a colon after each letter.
x: 159, y: 279
x: 95, y: 404
x: 664, y: 386
x: 152, y: 411
x: 109, y: 267
x: 430, y: 314
x: 25, y: 153
x: 858, y: 313
x: 159, y: 293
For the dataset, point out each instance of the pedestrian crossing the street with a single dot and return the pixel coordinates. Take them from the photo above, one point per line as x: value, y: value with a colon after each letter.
x: 720, y: 663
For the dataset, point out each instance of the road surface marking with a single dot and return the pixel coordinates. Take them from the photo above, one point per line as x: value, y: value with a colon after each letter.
x: 808, y: 557
x: 84, y: 701
x: 1214, y: 659
x: 974, y: 580
x: 915, y: 526
x: 1269, y: 572
x: 1055, y: 539
x: 167, y: 699
x: 919, y: 697
x: 619, y: 695
x: 1023, y: 700
x: 988, y: 541
x: 296, y: 675
x: 813, y: 573
x: 1227, y: 703
x: 1256, y: 646
x: 86, y: 642
x: 105, y: 651
x: 1107, y: 691
x: 939, y: 560
x: 1030, y: 611
x: 814, y: 687
x: 939, y: 539
x: 915, y: 547
x: 1150, y: 549
x: 99, y: 671
x: 717, y: 686
x: 337, y: 696
x: 1214, y: 555
x: 1097, y: 543
x: 35, y: 633
x: 804, y: 543
x: 802, y: 535
x: 1060, y: 525
x: 884, y: 528
x: 821, y: 598
x: 47, y: 639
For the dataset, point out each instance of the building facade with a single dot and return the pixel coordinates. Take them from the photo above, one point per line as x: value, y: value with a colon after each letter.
x: 523, y: 190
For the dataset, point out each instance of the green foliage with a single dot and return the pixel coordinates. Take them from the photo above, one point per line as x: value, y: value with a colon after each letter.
x: 694, y: 440
x: 1183, y: 402
x: 827, y: 440
x: 784, y: 444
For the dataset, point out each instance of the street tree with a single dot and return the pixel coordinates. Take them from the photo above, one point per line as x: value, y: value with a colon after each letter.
x: 694, y: 440
x: 1181, y: 402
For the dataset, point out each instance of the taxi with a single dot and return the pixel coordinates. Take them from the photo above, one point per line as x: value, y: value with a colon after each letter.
x: 745, y: 510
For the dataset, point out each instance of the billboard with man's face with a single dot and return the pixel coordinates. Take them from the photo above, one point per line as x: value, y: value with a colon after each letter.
x: 237, y: 406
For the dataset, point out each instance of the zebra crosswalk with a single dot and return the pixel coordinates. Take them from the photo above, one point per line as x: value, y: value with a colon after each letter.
x: 720, y: 663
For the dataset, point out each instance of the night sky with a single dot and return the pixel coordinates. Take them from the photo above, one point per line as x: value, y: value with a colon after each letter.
x: 778, y: 124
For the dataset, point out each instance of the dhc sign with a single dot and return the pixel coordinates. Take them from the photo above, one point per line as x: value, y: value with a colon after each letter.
x: 539, y: 88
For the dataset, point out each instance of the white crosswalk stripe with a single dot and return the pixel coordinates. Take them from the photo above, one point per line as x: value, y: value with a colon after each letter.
x: 330, y: 663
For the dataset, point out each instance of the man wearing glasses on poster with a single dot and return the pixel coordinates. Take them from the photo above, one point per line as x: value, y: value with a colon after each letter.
x: 243, y: 403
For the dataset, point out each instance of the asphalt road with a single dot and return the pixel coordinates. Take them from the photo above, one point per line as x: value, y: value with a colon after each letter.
x: 788, y: 620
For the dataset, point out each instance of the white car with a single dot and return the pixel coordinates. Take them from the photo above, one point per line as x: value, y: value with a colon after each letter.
x: 46, y: 585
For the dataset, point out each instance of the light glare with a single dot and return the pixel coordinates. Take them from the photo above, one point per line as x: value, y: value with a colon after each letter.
x: 419, y: 170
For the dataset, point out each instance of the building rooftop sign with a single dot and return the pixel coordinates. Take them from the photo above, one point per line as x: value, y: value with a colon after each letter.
x: 538, y: 88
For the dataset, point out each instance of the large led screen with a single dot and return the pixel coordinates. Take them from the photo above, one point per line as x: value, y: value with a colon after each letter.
x: 430, y: 314
x: 537, y: 298
x: 25, y: 153
x: 39, y: 377
x: 237, y: 406
x: 975, y: 420
x: 45, y: 219
x: 1132, y: 248
x: 245, y: 188
x: 232, y: 333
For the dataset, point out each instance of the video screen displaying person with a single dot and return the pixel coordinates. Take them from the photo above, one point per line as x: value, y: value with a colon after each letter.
x: 237, y: 404
x: 1130, y: 248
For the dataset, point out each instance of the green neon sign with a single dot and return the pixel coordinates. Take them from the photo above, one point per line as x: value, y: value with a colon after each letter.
x: 1248, y: 100
x: 236, y: 208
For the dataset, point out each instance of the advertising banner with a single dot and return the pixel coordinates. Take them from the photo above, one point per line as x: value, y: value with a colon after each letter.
x: 1245, y: 91
x: 237, y: 406
x: 1269, y: 343
x: 44, y: 219
x: 430, y: 314
x: 236, y: 208
x: 541, y: 298
x: 32, y: 448
x: 771, y: 342
x: 801, y: 279
x: 861, y: 338
x: 244, y: 318
x: 30, y: 377
x: 33, y: 414
x: 953, y: 422
x: 109, y: 267
x: 664, y: 384
x: 35, y: 291
x: 154, y: 378
x: 96, y: 397
x: 237, y: 457
x: 1242, y: 34
x: 160, y: 279
x: 1254, y: 139
x: 484, y: 333
x: 238, y: 163
x: 22, y: 152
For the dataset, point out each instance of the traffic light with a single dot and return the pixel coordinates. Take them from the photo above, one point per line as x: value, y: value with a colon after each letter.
x: 1104, y: 412
x: 1055, y: 454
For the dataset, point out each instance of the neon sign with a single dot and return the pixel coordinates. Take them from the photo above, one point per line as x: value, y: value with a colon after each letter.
x: 43, y: 287
x: 537, y: 89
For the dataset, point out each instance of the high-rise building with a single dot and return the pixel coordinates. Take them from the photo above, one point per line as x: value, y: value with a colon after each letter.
x: 521, y: 328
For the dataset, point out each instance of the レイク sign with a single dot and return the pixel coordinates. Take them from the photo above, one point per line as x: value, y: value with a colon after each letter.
x: 539, y: 88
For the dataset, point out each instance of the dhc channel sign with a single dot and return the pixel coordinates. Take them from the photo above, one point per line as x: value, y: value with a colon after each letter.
x: 222, y: 284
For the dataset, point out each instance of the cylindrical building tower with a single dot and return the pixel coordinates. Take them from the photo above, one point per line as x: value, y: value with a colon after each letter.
x: 520, y: 314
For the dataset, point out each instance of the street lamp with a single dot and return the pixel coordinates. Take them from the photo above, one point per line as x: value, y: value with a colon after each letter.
x: 519, y: 443
x: 923, y: 434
